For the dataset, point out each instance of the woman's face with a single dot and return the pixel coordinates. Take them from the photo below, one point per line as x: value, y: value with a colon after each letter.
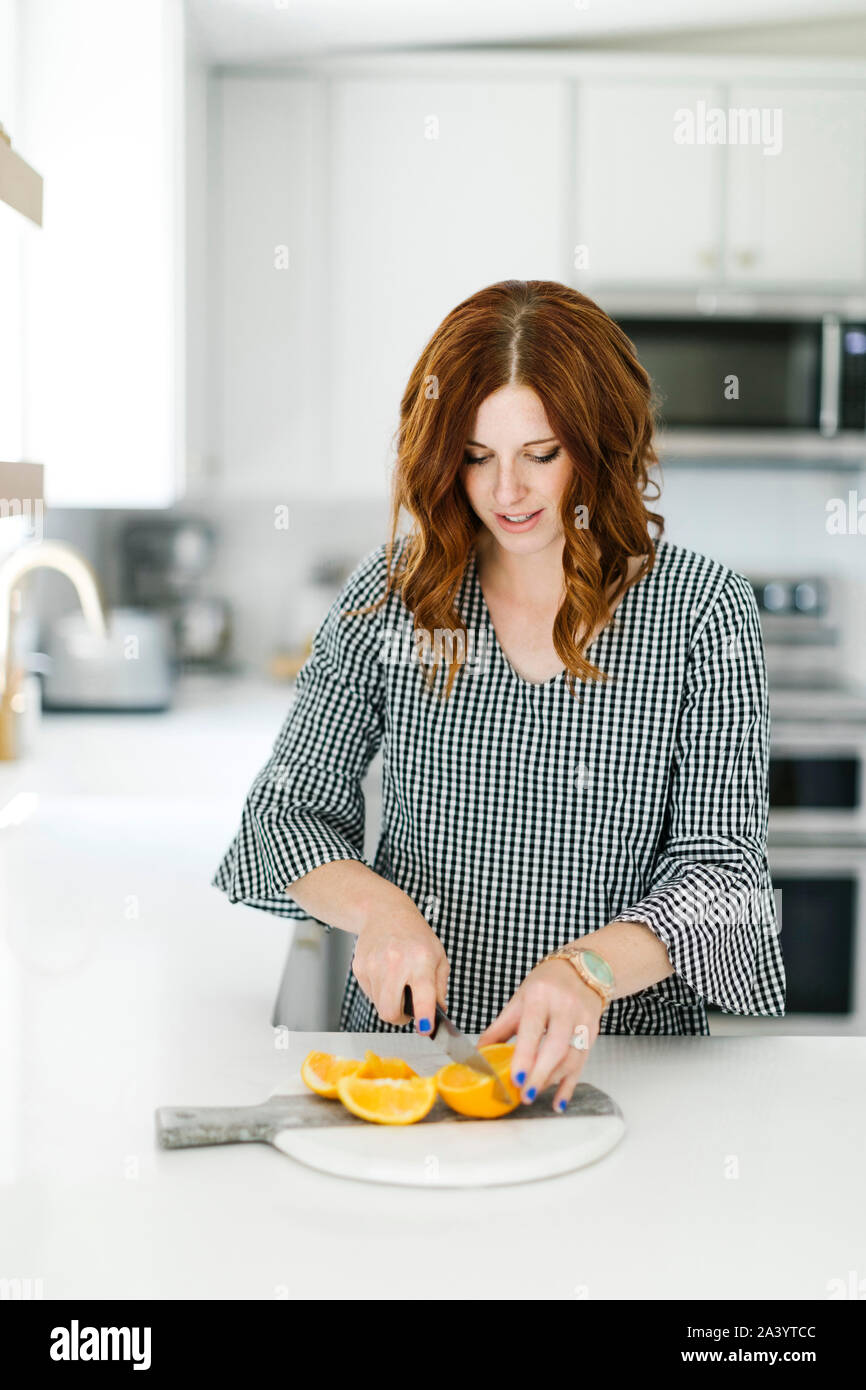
x: 514, y: 465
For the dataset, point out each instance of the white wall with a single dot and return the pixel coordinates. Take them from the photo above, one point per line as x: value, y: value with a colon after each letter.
x: 763, y: 519
x: 101, y: 115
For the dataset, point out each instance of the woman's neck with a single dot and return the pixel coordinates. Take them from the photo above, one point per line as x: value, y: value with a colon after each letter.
x: 535, y: 578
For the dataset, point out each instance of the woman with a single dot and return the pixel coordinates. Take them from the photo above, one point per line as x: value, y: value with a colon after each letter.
x: 573, y: 718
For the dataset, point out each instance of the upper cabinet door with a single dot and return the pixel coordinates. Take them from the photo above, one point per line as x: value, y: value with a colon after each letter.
x: 269, y: 213
x: 437, y: 188
x: 796, y: 195
x: 649, y: 185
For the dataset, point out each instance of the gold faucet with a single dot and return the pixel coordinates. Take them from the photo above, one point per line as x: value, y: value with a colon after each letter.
x: 52, y: 555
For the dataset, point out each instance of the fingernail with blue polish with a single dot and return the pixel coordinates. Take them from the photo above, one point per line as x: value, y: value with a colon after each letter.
x: 424, y: 1025
x: 520, y: 1078
x: 563, y: 1104
x: 530, y: 1094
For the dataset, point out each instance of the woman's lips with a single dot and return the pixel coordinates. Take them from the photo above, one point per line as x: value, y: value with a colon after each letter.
x: 518, y: 525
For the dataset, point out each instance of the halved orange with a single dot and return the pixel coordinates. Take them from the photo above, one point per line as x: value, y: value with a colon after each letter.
x: 322, y: 1070
x: 378, y: 1068
x: 388, y: 1100
x: 470, y: 1093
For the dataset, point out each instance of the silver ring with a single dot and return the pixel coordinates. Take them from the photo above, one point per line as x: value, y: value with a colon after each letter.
x: 579, y: 1039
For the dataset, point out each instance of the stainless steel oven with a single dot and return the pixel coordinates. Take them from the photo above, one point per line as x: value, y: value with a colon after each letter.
x: 817, y: 823
x: 821, y: 910
x: 818, y: 777
x: 820, y: 894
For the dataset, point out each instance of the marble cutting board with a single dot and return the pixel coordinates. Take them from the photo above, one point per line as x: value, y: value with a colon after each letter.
x: 442, y: 1150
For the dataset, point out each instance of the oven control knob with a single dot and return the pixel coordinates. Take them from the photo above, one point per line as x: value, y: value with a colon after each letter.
x: 806, y: 598
x: 776, y: 597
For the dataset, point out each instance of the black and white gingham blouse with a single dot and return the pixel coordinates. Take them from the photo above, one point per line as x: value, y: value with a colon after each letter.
x: 518, y: 817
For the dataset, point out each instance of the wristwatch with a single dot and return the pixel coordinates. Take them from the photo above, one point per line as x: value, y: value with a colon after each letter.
x: 592, y: 968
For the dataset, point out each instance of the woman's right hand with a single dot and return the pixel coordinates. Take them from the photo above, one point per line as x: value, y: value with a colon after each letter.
x: 398, y: 948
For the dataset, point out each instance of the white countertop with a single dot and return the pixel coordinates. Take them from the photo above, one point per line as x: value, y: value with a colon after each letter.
x: 96, y: 1210
x: 210, y: 743
x: 127, y: 982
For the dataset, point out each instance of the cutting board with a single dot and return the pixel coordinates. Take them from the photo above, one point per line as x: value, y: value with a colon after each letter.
x: 443, y: 1150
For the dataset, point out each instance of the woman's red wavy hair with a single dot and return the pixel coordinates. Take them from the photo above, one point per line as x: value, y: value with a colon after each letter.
x: 600, y: 405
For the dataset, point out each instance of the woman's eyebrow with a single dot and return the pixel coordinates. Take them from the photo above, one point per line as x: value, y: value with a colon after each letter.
x: 547, y: 440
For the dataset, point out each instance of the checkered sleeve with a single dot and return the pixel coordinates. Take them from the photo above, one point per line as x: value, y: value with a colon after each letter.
x: 709, y: 897
x: 306, y: 806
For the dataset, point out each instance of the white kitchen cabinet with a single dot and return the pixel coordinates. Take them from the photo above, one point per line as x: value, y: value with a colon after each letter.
x: 680, y: 214
x: 796, y: 217
x: 101, y: 118
x: 438, y: 187
x: 270, y: 285
x: 352, y: 210
x: 648, y: 208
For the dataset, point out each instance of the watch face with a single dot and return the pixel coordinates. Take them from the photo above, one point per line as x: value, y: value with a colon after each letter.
x: 598, y: 968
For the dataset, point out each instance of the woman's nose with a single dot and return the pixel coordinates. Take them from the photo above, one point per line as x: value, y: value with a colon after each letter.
x: 508, y: 488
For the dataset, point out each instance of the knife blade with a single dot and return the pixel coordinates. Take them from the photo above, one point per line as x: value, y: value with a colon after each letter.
x: 458, y: 1047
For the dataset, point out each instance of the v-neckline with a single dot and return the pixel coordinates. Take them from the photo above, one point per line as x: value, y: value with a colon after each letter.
x: 605, y: 631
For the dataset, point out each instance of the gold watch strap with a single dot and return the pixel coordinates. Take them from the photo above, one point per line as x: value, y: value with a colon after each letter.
x: 572, y: 955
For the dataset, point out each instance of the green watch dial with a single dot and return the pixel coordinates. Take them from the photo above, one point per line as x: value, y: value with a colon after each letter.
x: 598, y: 968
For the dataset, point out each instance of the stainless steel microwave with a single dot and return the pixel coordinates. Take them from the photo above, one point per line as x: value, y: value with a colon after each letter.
x: 804, y: 373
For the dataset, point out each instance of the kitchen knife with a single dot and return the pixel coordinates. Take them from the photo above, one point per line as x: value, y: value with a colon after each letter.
x: 458, y: 1046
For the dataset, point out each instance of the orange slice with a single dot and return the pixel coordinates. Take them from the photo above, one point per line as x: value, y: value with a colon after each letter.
x: 378, y: 1068
x: 388, y: 1100
x: 322, y: 1070
x: 470, y: 1093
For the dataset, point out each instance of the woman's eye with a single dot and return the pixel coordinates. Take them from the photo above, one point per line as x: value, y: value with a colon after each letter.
x: 536, y: 458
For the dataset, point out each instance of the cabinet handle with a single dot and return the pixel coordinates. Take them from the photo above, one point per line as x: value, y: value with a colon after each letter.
x: 707, y: 257
x: 745, y: 257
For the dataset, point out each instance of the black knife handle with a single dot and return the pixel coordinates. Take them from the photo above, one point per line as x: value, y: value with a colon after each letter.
x: 409, y: 1008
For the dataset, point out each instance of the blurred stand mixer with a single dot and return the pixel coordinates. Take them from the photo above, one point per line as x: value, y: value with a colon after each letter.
x: 165, y: 561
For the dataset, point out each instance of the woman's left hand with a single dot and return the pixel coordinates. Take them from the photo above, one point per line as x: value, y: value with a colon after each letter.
x: 549, y: 1008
